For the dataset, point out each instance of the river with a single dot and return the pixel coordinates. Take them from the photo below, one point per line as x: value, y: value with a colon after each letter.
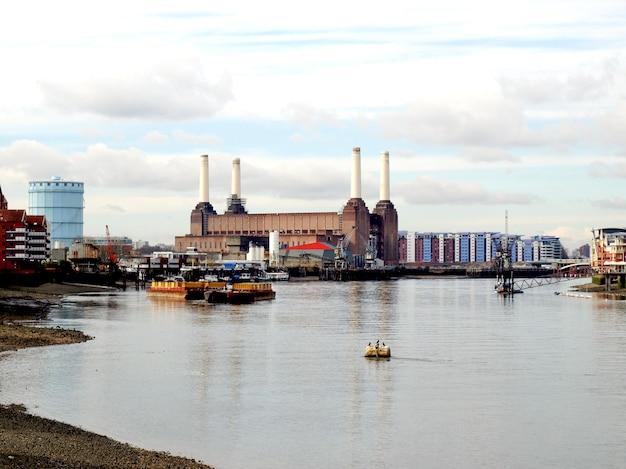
x: 475, y: 379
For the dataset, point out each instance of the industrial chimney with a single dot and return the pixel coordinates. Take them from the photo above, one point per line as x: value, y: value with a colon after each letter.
x: 235, y: 203
x: 355, y: 188
x: 236, y: 179
x: 384, y: 175
x: 204, y: 178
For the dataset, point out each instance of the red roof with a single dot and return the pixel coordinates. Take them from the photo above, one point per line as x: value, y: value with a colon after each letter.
x: 317, y: 246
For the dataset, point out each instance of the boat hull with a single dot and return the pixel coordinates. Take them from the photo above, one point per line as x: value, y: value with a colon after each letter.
x: 242, y: 293
x: 182, y: 290
x: 375, y: 351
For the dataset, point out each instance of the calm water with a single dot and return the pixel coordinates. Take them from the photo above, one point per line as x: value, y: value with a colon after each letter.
x: 476, y: 380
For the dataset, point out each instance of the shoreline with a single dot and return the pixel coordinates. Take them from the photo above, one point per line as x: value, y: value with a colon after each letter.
x: 595, y: 288
x: 27, y: 440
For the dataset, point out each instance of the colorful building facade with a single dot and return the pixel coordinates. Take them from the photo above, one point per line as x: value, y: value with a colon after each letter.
x: 474, y: 247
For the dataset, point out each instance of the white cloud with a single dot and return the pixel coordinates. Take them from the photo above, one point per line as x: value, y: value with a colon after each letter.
x: 602, y: 169
x: 173, y: 89
x: 187, y: 137
x: 429, y: 191
x: 155, y: 138
x: 613, y: 203
x: 488, y: 155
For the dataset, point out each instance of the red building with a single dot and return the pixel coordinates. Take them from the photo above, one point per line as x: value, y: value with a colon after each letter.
x: 24, y: 240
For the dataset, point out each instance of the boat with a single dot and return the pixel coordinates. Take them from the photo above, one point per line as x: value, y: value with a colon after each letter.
x: 179, y: 288
x: 241, y: 293
x: 377, y: 351
x: 278, y: 276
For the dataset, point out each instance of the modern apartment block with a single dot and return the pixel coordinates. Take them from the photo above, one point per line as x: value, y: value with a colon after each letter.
x: 474, y: 247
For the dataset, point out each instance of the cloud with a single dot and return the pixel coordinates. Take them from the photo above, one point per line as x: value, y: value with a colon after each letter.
x: 615, y: 203
x: 488, y: 155
x: 100, y: 166
x: 570, y: 236
x: 295, y: 181
x: 600, y: 169
x: 309, y: 117
x: 186, y: 137
x: 155, y: 138
x: 612, y: 125
x: 113, y: 208
x: 428, y: 191
x: 484, y: 121
x: 31, y: 160
x: 169, y: 90
x: 588, y: 82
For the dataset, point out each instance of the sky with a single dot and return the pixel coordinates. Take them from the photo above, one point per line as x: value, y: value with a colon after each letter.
x: 485, y: 107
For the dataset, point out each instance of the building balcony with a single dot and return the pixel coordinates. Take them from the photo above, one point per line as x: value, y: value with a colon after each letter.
x: 38, y: 257
x: 17, y: 255
x: 17, y: 230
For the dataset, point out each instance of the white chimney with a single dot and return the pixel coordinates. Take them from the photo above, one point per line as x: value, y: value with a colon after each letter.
x: 356, y: 174
x: 236, y: 179
x: 384, y: 175
x: 204, y: 178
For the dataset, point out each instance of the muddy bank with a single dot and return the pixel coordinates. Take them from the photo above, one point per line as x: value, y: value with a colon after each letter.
x: 14, y: 336
x: 27, y: 441
x: 34, y: 302
x: 595, y: 288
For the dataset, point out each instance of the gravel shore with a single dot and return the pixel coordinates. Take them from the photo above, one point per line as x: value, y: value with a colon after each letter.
x: 28, y: 441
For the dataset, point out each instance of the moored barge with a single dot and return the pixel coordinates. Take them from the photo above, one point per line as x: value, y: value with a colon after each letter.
x: 183, y: 290
x: 241, y: 293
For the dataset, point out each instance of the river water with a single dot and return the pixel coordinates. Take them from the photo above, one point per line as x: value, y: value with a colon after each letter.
x: 475, y: 379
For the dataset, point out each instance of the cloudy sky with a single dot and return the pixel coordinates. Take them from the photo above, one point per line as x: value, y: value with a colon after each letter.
x: 484, y: 106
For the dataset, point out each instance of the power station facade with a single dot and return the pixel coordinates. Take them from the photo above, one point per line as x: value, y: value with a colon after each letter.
x: 61, y: 202
x: 355, y: 228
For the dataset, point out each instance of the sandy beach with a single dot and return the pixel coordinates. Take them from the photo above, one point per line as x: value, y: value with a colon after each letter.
x: 29, y: 441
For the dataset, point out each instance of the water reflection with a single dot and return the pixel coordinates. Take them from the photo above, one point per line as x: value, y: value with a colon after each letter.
x: 474, y: 380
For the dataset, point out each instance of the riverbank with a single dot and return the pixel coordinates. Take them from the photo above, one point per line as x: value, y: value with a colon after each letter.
x: 28, y: 441
x: 595, y: 288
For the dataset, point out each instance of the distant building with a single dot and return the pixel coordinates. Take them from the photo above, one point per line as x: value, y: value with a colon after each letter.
x: 608, y: 250
x: 229, y: 235
x: 122, y: 246
x: 584, y: 251
x: 478, y: 247
x: 61, y: 202
x: 24, y: 240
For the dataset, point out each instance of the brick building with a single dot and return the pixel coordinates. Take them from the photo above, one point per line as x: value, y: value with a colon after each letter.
x: 24, y: 240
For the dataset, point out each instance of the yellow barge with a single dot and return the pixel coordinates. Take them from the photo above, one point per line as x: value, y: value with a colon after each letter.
x: 183, y: 290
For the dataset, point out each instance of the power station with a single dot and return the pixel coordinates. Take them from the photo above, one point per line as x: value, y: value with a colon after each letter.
x: 231, y: 234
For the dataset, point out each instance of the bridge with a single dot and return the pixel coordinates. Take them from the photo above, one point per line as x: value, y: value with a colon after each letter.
x: 563, y: 270
x: 525, y: 284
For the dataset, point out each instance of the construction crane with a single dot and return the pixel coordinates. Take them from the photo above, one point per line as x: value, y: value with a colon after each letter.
x: 112, y: 255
